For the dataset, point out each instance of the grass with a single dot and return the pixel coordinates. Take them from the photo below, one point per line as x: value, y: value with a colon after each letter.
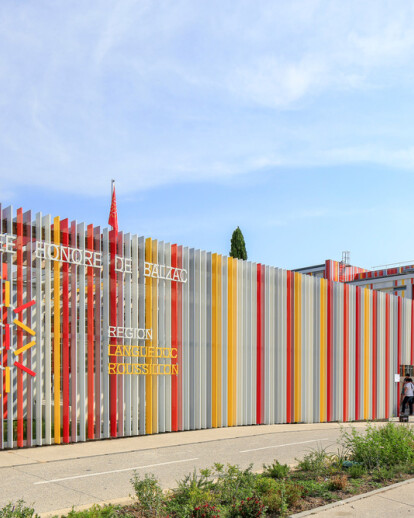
x: 365, y: 461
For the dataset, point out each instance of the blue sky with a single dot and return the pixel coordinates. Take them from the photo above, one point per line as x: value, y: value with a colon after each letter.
x: 293, y: 120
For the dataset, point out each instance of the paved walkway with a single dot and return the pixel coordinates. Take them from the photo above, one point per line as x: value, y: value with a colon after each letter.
x: 397, y: 500
x: 55, y: 478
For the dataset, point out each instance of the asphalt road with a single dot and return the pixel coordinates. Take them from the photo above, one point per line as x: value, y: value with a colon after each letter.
x: 75, y: 475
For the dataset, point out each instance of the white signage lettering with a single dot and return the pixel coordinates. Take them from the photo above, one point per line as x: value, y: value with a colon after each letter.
x: 123, y: 264
x: 130, y: 332
x: 66, y: 254
x: 169, y: 273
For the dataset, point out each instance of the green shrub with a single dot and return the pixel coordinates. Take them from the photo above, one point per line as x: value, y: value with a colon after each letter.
x: 276, y: 470
x: 272, y: 493
x: 316, y: 489
x: 407, y: 468
x: 193, y: 492
x: 275, y: 504
x: 284, y: 494
x: 355, y: 485
x: 265, y: 485
x: 252, y: 507
x: 357, y: 471
x: 233, y: 484
x: 381, y: 447
x: 382, y: 474
x: 316, y: 462
x: 96, y: 511
x: 149, y: 495
x: 17, y: 510
x: 183, y: 501
x: 211, y: 491
x: 292, y: 492
x: 205, y: 511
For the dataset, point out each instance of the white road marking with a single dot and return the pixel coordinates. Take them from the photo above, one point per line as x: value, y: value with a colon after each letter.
x: 282, y: 445
x: 113, y: 471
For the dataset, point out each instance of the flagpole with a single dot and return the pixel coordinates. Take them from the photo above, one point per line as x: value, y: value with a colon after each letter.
x: 113, y: 320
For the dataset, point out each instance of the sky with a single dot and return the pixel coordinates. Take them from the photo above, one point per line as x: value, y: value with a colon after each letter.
x: 293, y: 120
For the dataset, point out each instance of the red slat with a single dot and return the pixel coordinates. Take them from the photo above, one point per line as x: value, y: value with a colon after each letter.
x: 91, y: 359
x: 357, y: 350
x: 19, y: 297
x: 120, y: 312
x: 399, y: 348
x: 346, y: 354
x: 329, y: 347
x: 3, y: 415
x: 19, y: 309
x: 288, y: 347
x: 64, y: 233
x: 412, y: 327
x: 263, y: 290
x: 113, y: 319
x: 24, y: 368
x: 259, y: 347
x: 374, y: 354
x: 387, y: 356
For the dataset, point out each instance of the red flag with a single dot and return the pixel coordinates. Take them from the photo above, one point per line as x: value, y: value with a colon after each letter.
x: 113, y: 215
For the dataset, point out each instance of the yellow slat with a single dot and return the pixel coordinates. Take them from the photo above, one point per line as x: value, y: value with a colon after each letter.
x: 214, y: 340
x: 24, y: 348
x: 24, y: 327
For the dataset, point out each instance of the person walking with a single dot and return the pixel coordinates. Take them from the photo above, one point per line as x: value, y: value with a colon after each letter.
x: 408, y: 391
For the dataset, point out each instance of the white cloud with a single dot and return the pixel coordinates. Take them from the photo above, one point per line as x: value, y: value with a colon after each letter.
x: 399, y: 158
x: 269, y: 82
x: 157, y: 92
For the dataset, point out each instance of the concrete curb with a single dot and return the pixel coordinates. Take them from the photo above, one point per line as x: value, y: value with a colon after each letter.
x: 351, y: 499
x: 66, y: 510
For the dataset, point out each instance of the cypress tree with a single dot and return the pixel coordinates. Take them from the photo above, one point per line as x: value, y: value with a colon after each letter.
x: 237, y: 245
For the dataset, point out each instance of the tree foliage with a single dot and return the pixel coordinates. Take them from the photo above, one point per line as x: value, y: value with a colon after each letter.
x: 237, y: 245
